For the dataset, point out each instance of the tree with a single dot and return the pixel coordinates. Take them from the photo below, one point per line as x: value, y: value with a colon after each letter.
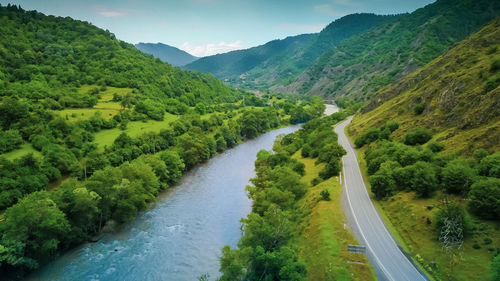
x: 484, y: 198
x: 175, y: 166
x: 32, y: 230
x: 457, y: 177
x: 495, y: 268
x: 418, y: 136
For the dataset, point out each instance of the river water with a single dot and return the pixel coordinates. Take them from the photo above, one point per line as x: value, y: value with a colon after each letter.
x: 181, y: 236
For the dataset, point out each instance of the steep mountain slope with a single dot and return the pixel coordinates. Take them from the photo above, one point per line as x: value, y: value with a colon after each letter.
x: 456, y: 95
x: 268, y: 64
x: 361, y: 65
x: 233, y: 64
x: 166, y: 53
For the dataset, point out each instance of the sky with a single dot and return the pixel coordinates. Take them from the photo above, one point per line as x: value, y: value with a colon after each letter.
x: 207, y: 27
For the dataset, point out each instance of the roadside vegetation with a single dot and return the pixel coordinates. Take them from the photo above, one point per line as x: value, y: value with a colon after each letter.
x: 295, y: 230
x: 423, y: 190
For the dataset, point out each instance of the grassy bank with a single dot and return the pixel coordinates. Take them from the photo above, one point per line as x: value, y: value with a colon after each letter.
x: 323, y: 239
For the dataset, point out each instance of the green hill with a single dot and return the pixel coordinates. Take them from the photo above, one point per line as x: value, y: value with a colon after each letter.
x: 278, y: 60
x: 166, y: 53
x: 229, y: 66
x: 362, y: 64
x: 456, y: 95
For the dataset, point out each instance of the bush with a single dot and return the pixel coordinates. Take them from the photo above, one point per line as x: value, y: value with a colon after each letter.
x: 316, y: 181
x: 456, y: 212
x: 325, y: 195
x: 435, y: 146
x: 331, y: 169
x: 457, y: 177
x: 495, y: 268
x: 485, y: 198
x: 418, y: 109
x: 370, y: 136
x: 418, y: 136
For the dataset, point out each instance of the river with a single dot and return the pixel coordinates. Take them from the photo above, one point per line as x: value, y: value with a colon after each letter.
x: 181, y: 236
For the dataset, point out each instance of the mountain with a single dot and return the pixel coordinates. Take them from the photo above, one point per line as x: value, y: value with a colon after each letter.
x: 278, y: 60
x: 457, y: 95
x: 49, y: 58
x: 362, y: 64
x: 166, y: 53
x: 230, y: 66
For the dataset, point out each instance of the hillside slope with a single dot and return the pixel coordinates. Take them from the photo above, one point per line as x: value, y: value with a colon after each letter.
x: 233, y: 64
x: 166, y: 53
x: 50, y: 57
x: 457, y: 94
x: 361, y: 65
x: 278, y: 60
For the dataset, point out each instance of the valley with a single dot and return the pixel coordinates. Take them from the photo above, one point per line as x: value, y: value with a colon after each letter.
x: 366, y: 147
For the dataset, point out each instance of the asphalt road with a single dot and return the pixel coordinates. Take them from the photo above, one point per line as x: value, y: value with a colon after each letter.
x: 382, y: 250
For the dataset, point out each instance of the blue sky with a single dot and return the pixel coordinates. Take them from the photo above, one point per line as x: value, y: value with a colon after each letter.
x: 205, y: 27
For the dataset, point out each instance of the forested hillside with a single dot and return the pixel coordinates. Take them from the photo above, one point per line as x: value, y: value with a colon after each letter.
x: 362, y: 64
x: 166, y: 53
x: 230, y: 66
x: 281, y: 60
x: 92, y: 130
x: 430, y: 146
x: 456, y: 95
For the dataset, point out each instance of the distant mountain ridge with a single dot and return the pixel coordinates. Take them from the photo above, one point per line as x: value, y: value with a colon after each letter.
x: 362, y: 64
x: 167, y: 53
x: 271, y: 63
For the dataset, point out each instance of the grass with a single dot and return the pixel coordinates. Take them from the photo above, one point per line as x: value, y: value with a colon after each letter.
x: 105, y: 105
x: 406, y: 216
x: 323, y: 240
x: 24, y: 149
x: 134, y: 129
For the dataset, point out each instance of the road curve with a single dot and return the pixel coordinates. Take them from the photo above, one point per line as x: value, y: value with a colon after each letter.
x: 382, y: 250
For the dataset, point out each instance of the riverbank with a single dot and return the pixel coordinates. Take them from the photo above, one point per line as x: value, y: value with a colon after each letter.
x: 180, y: 236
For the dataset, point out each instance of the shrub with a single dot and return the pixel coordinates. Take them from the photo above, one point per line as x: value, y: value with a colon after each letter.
x: 495, y: 268
x: 418, y: 109
x: 370, y: 136
x: 435, y: 146
x: 418, y: 136
x: 331, y: 169
x: 325, y: 195
x: 316, y: 181
x: 485, y: 198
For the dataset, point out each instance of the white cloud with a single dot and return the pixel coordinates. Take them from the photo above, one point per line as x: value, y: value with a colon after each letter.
x: 105, y: 12
x: 211, y: 49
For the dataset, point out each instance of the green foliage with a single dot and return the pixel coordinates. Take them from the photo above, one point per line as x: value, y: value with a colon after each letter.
x: 418, y: 109
x: 10, y: 140
x: 392, y: 49
x: 373, y: 134
x: 453, y: 211
x: 457, y: 177
x: 418, y: 136
x: 485, y: 198
x: 32, y: 230
x: 325, y: 195
x: 495, y: 268
x: 331, y: 169
x: 280, y: 61
x: 490, y: 165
